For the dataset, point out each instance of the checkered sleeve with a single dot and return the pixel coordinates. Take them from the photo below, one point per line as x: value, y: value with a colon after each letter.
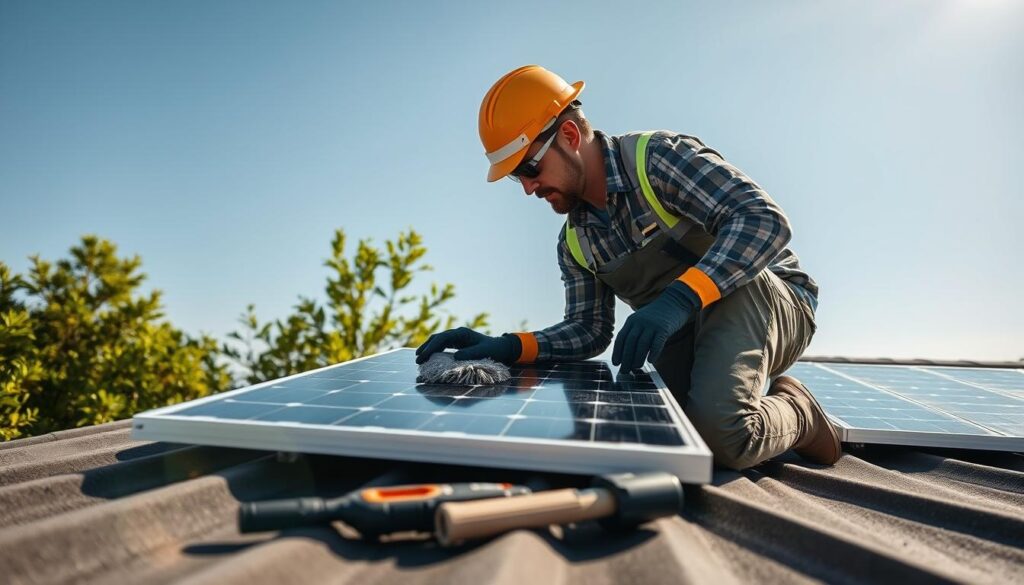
x: 750, y: 229
x: 589, y: 314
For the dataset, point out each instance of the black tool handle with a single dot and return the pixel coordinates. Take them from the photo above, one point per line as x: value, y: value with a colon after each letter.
x: 281, y: 514
x: 640, y: 497
x: 371, y: 511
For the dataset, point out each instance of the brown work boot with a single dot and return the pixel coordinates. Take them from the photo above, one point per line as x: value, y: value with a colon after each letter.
x: 818, y: 442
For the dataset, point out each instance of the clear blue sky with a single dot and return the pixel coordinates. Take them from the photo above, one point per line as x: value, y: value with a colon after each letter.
x: 225, y: 141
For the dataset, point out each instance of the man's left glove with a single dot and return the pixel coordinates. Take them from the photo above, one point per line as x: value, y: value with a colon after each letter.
x: 472, y: 346
x: 646, y: 330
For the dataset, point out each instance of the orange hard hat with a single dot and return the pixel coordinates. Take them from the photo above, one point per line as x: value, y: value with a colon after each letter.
x: 516, y: 110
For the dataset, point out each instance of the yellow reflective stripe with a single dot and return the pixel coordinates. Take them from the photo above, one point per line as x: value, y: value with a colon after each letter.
x: 574, y: 245
x: 645, y: 185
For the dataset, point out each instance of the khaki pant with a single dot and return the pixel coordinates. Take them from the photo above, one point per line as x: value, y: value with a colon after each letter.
x: 718, y: 365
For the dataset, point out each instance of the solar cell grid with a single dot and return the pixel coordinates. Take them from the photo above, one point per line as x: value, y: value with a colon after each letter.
x: 565, y: 417
x: 579, y: 402
x: 858, y: 405
x: 992, y: 410
x: 1010, y: 381
x: 912, y: 405
x: 584, y: 402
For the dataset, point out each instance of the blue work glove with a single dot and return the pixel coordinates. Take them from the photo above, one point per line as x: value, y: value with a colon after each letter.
x: 647, y: 329
x: 472, y: 346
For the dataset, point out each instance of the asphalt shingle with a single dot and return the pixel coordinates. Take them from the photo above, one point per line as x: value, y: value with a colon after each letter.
x: 92, y: 505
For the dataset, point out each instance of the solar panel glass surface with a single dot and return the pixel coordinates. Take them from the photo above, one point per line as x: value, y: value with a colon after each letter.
x: 859, y: 405
x: 1010, y: 381
x: 911, y: 405
x: 999, y: 412
x: 580, y: 402
x: 565, y: 404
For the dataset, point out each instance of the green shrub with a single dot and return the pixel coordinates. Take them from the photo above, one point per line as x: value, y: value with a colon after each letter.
x: 79, y: 345
x: 344, y: 328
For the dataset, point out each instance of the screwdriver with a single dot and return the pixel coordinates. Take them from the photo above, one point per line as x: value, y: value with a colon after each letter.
x: 372, y: 511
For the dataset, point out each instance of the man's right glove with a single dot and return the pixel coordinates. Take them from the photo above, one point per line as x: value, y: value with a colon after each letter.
x: 472, y: 346
x: 646, y: 330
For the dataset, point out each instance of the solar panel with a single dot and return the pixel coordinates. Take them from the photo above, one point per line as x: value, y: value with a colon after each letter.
x: 566, y: 417
x: 972, y: 408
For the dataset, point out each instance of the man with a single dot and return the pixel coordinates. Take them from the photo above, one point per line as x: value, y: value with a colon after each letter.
x: 693, y: 245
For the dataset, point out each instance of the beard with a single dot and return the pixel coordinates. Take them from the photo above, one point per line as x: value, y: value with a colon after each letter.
x: 563, y: 200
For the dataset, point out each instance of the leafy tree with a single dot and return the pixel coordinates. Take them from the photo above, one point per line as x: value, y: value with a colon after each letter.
x: 83, y: 347
x: 79, y: 344
x: 19, y: 364
x: 343, y: 328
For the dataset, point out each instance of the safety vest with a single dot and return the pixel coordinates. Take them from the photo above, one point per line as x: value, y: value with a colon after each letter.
x: 661, y: 255
x: 675, y: 226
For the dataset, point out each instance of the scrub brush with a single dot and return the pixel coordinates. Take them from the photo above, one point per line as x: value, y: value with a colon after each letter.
x: 442, y: 368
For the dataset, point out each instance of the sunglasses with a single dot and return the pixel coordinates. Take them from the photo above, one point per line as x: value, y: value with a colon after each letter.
x: 528, y: 168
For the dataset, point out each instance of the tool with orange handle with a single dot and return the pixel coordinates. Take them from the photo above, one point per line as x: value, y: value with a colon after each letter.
x: 373, y: 512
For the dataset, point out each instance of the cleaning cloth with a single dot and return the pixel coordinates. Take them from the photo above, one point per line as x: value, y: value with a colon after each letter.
x: 442, y: 368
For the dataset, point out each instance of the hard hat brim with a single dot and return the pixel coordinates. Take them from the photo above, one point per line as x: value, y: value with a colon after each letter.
x: 501, y: 169
x: 498, y: 170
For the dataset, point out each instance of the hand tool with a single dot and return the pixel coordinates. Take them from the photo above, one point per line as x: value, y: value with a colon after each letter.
x: 372, y: 511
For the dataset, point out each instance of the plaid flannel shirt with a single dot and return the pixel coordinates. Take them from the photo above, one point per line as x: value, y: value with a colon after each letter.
x: 751, y: 232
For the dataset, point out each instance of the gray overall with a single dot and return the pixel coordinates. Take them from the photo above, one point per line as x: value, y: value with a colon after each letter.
x: 717, y: 364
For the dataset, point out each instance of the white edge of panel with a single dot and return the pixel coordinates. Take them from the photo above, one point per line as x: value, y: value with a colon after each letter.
x: 921, y: 439
x: 686, y: 462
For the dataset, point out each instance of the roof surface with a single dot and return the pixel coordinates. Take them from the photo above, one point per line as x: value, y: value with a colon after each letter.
x: 91, y: 505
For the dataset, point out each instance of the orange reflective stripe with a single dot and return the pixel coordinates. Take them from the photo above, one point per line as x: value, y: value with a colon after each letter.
x: 530, y: 348
x: 702, y: 285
